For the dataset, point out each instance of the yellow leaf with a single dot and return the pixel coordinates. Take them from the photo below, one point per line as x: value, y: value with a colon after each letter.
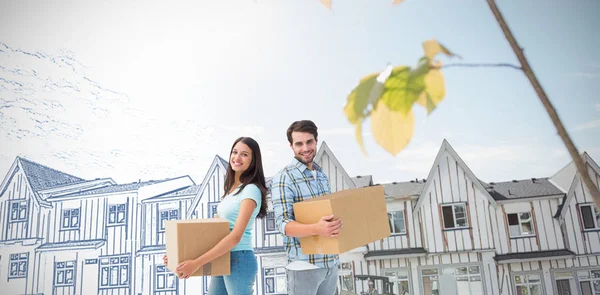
x: 434, y: 92
x: 397, y: 1
x: 432, y: 47
x: 327, y: 3
x: 392, y: 130
x: 359, y: 138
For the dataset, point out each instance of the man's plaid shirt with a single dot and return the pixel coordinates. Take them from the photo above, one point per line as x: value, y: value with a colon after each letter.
x: 296, y: 183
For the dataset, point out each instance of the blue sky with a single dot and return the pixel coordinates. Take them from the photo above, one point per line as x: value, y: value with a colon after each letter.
x: 162, y: 88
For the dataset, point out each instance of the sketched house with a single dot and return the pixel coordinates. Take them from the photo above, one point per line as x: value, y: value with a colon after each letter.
x: 65, y: 235
x: 451, y: 233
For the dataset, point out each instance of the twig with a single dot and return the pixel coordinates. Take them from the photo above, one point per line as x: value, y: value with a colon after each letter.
x: 482, y: 65
x: 562, y: 132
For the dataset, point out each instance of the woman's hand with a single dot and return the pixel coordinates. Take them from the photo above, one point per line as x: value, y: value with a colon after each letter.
x: 187, y: 268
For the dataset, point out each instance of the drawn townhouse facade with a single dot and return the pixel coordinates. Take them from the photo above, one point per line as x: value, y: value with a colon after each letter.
x: 451, y: 233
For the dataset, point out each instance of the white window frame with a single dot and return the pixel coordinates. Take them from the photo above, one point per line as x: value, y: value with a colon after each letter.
x: 116, y: 210
x: 591, y: 279
x: 270, y: 216
x: 120, y: 264
x: 212, y: 209
x: 520, y: 225
x: 66, y: 219
x: 278, y: 273
x: 61, y: 273
x: 18, y: 265
x: 395, y: 280
x: 527, y: 284
x: 22, y: 206
x: 170, y: 216
x: 391, y: 220
x: 345, y: 269
x: 162, y: 275
x: 595, y: 214
x: 439, y: 271
x: 454, y: 205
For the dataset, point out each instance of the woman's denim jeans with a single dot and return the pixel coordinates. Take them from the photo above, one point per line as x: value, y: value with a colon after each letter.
x: 241, y: 279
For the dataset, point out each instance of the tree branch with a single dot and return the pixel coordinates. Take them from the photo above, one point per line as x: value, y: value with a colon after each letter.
x: 482, y: 65
x: 562, y: 132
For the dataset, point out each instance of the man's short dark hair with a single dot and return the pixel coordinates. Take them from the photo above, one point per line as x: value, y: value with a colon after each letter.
x: 307, y: 126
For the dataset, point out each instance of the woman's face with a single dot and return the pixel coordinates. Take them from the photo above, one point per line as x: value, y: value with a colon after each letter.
x: 240, y: 158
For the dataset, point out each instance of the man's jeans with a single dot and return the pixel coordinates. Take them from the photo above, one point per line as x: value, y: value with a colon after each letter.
x: 322, y: 281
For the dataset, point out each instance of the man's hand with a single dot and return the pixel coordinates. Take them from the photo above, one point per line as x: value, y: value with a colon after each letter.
x: 328, y: 226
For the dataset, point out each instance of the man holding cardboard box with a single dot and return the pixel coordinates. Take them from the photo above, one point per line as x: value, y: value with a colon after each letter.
x: 310, y: 274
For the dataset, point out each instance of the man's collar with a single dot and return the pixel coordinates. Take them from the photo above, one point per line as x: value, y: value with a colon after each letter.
x: 303, y: 166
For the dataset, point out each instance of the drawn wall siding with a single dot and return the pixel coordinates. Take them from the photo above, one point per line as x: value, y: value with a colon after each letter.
x: 21, y: 221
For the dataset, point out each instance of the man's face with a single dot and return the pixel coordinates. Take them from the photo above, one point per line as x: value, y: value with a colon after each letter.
x: 304, y: 146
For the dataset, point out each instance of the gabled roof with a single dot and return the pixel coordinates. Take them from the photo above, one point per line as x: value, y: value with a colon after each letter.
x: 403, y: 189
x: 569, y: 198
x: 115, y: 188
x: 217, y: 163
x: 446, y: 147
x: 363, y: 180
x: 324, y: 149
x: 564, y: 177
x: 188, y: 191
x: 527, y: 188
x: 43, y: 177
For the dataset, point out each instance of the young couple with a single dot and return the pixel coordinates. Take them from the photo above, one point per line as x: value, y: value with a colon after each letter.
x: 245, y: 199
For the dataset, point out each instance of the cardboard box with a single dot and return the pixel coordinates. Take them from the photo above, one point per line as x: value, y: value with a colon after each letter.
x: 188, y: 239
x: 362, y: 211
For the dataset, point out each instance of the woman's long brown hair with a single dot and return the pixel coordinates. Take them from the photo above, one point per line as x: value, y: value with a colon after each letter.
x: 254, y: 174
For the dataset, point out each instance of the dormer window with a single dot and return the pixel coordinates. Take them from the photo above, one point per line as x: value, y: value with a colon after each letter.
x: 455, y: 216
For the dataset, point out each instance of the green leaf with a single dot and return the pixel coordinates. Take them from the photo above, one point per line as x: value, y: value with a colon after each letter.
x: 359, y: 98
x: 392, y: 130
x: 403, y: 87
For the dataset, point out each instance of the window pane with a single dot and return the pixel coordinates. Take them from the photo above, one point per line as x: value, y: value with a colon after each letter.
x: 399, y: 222
x: 461, y: 270
x: 281, y: 285
x: 269, y: 282
x: 114, y: 275
x: 535, y: 290
x: 430, y: 271
x: 60, y: 277
x: 513, y: 219
x: 448, y: 217
x: 171, y: 281
x: 586, y: 215
x: 473, y: 269
x: 597, y: 216
x: 522, y: 290
x: 527, y: 229
x: 533, y: 279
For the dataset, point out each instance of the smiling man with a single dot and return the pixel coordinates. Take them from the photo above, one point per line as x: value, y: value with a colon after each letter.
x: 303, y: 179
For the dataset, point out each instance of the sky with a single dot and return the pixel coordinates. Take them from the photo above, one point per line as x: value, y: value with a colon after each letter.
x: 135, y: 90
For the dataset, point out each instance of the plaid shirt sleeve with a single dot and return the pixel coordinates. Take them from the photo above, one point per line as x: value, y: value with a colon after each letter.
x: 282, y: 197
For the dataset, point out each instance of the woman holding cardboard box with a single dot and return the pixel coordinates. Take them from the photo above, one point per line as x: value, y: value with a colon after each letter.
x: 243, y: 201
